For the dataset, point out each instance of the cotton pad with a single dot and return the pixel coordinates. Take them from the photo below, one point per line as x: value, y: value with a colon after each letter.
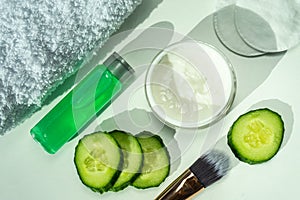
x: 268, y: 25
x: 224, y: 24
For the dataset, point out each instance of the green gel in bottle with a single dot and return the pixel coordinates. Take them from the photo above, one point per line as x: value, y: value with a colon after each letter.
x: 81, y: 105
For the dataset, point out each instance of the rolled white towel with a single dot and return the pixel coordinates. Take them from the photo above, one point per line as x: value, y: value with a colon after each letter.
x: 40, y: 42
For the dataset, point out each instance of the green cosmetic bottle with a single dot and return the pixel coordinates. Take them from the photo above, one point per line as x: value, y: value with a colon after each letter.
x: 82, y: 104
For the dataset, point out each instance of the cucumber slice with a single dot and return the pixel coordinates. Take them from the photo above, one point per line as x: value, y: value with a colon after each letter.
x: 156, y: 164
x: 132, y: 159
x: 256, y: 136
x: 98, y: 159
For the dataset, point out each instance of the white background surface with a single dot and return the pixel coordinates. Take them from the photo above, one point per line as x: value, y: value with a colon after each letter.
x: 27, y: 172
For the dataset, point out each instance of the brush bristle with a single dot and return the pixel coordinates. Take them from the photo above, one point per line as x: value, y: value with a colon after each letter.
x: 210, y: 167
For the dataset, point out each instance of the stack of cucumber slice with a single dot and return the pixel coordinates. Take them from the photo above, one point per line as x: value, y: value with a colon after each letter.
x: 110, y: 161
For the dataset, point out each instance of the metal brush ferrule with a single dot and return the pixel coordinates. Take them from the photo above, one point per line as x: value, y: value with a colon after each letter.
x: 184, y: 187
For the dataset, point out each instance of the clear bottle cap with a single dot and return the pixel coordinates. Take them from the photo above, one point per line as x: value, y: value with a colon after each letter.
x: 118, y: 66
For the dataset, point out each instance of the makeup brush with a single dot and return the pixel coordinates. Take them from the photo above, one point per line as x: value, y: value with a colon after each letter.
x: 208, y: 169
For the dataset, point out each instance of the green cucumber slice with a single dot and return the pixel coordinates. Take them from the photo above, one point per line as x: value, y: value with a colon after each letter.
x: 98, y: 159
x: 132, y: 159
x: 156, y: 164
x: 256, y: 136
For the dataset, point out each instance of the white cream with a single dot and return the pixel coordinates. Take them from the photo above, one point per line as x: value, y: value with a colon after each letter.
x: 188, y: 85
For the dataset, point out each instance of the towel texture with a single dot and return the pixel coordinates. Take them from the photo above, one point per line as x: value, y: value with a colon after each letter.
x: 40, y: 43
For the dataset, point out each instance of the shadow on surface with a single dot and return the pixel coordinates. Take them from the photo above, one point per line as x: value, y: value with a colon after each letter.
x: 136, y: 121
x: 250, y: 72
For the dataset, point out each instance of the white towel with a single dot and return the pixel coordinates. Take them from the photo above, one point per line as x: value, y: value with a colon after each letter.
x: 40, y: 42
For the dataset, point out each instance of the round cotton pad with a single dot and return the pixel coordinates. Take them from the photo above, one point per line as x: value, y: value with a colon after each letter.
x: 227, y: 33
x: 268, y: 25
